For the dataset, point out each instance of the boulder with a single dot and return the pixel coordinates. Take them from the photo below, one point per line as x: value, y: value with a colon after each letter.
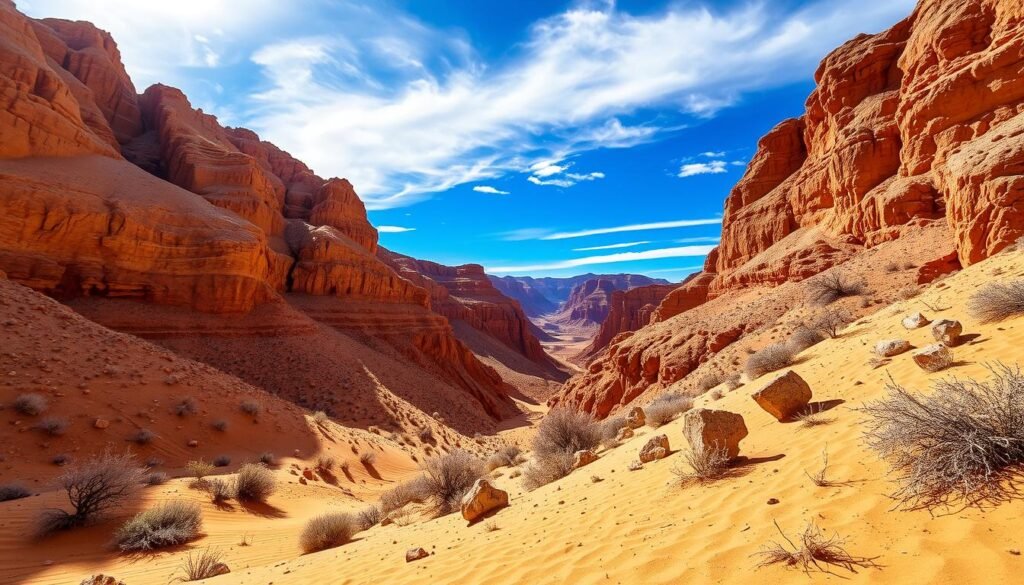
x: 481, y: 499
x: 584, y: 457
x: 656, y: 448
x: 220, y: 569
x: 415, y: 554
x: 624, y: 433
x: 891, y: 347
x: 915, y: 321
x: 704, y: 429
x: 784, y: 395
x: 636, y: 418
x: 193, y: 443
x: 933, y: 358
x: 947, y: 331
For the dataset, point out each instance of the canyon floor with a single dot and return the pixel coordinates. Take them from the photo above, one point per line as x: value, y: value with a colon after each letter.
x: 602, y: 523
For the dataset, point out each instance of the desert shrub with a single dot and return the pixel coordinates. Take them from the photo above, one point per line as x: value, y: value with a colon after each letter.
x: 892, y: 267
x: 30, y: 404
x: 813, y: 551
x: 425, y: 434
x: 814, y: 416
x: 327, y: 531
x: 254, y: 483
x: 447, y: 478
x: 186, y: 407
x: 53, y: 426
x: 156, y: 478
x: 411, y: 491
x: 804, y: 337
x: 997, y: 301
x: 368, y: 458
x: 13, y: 491
x: 320, y: 417
x: 220, y: 490
x: 199, y: 469
x: 61, y: 459
x: 831, y: 286
x: 369, y: 517
x: 94, y: 487
x: 551, y: 467
x: 507, y: 456
x: 166, y: 525
x: 219, y: 425
x: 609, y: 429
x: 154, y: 462
x: 831, y: 321
x: 908, y: 292
x: 665, y: 408
x: 709, y: 381
x: 324, y: 463
x: 143, y: 437
x: 267, y: 458
x: 769, y: 359
x: 221, y: 461
x: 200, y: 565
x: 733, y: 382
x: 250, y: 407
x: 963, y: 443
x: 703, y: 465
x: 566, y: 431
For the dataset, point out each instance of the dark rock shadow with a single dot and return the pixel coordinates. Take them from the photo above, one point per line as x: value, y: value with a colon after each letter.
x: 372, y: 471
x: 744, y: 462
x: 263, y: 509
x: 969, y: 339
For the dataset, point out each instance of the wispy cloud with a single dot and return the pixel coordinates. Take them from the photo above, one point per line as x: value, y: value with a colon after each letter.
x: 490, y: 190
x: 683, y: 269
x: 677, y: 252
x: 611, y: 246
x: 713, y: 154
x: 635, y: 227
x: 714, y: 167
x: 540, y: 172
x: 394, y: 229
x: 697, y: 240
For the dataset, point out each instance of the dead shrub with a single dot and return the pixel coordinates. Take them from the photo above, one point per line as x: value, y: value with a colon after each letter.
x: 220, y: 490
x: 566, y: 431
x: 327, y: 531
x: 997, y: 301
x: 254, y: 483
x: 199, y: 469
x: 804, y: 337
x: 221, y: 461
x: 368, y: 458
x: 703, y: 465
x: 94, y: 487
x: 664, y: 409
x: 166, y: 525
x: 268, y: 458
x: 53, y: 426
x: 369, y: 517
x: 507, y: 456
x: 320, y: 418
x: 542, y: 471
x: 157, y: 478
x: 220, y: 425
x: 187, y: 406
x: 814, y: 416
x: 814, y: 551
x: 449, y: 477
x: 831, y: 321
x: 143, y: 437
x: 908, y: 292
x: 831, y: 286
x: 200, y: 565
x: 402, y: 494
x: 250, y: 407
x: 30, y: 404
x: 962, y: 444
x: 426, y: 435
x: 325, y: 464
x: 610, y: 428
x: 13, y: 491
x: 769, y: 359
x: 709, y: 381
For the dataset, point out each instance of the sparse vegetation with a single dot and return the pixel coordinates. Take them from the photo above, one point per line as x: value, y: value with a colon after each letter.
x: 665, y: 408
x: 831, y: 286
x: 447, y: 478
x: 324, y: 464
x: 709, y: 381
x: 30, y: 404
x: 156, y: 478
x: 566, y: 431
x: 221, y: 461
x: 220, y: 490
x: 200, y: 565
x: 143, y: 437
x: 507, y: 456
x: 166, y: 525
x: 370, y: 516
x: 320, y: 417
x: 543, y: 471
x: 187, y: 406
x: 804, y: 337
x: 997, y: 301
x: 368, y: 458
x: 93, y: 488
x: 267, y: 458
x: 400, y: 495
x: 769, y: 359
x: 610, y: 428
x: 250, y: 407
x: 820, y: 478
x: 814, y: 552
x: 220, y: 425
x: 831, y: 321
x: 53, y: 426
x: 13, y: 491
x: 199, y: 469
x: 703, y: 465
x: 961, y: 444
x: 425, y: 434
x: 327, y: 531
x: 814, y: 416
x: 908, y: 292
x: 254, y: 483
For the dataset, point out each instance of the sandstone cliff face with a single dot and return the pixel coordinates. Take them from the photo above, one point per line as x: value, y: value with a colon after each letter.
x: 542, y: 296
x: 628, y: 310
x: 919, y: 123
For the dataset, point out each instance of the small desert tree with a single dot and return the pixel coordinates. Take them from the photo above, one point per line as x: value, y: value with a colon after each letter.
x: 94, y: 487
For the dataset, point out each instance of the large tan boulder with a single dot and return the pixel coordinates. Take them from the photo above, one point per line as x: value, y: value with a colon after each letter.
x: 933, y: 358
x: 705, y: 429
x: 784, y: 395
x: 636, y: 418
x: 947, y: 331
x: 656, y: 448
x: 891, y: 347
x: 481, y: 499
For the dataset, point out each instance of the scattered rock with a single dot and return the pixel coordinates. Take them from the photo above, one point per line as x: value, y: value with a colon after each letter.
x: 709, y: 429
x: 773, y: 501
x: 915, y: 321
x: 101, y: 423
x: 584, y: 457
x: 624, y: 433
x: 635, y: 466
x: 784, y: 395
x: 308, y: 474
x: 933, y: 358
x: 1014, y: 552
x: 220, y: 569
x: 193, y: 443
x: 481, y: 499
x: 947, y: 331
x: 891, y: 347
x: 656, y: 448
x: 636, y: 418
x: 101, y: 580
x: 415, y: 554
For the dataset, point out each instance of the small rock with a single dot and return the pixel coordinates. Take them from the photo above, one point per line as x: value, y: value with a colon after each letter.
x: 415, y: 554
x: 193, y: 443
x: 624, y: 433
x: 1014, y: 552
x: 784, y: 395
x: 481, y: 499
x: 947, y: 331
x: 933, y: 358
x: 101, y: 423
x: 656, y: 448
x: 636, y: 418
x: 891, y: 347
x: 635, y: 466
x: 714, y: 429
x: 101, y: 580
x: 584, y: 457
x: 915, y: 321
x: 308, y: 474
x: 773, y: 501
x: 219, y: 569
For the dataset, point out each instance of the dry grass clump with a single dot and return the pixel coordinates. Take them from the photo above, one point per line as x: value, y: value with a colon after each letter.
x: 13, y: 491
x: 254, y: 483
x: 53, y: 426
x: 220, y: 490
x: 703, y: 465
x: 831, y: 286
x: 200, y: 565
x: 566, y: 431
x: 997, y: 301
x: 666, y: 408
x: 157, y: 478
x: 814, y: 552
x: 820, y: 478
x: 166, y: 525
x: 610, y: 428
x: 268, y: 458
x: 320, y: 417
x: 369, y: 517
x: 814, y: 416
x: 769, y: 359
x: 962, y: 444
x: 94, y: 487
x: 709, y: 381
x: 402, y: 494
x: 425, y: 434
x: 324, y: 464
x: 30, y: 404
x: 250, y: 407
x: 543, y: 471
x: 507, y: 456
x: 733, y: 382
x: 908, y: 292
x: 327, y: 531
x: 804, y: 337
x: 368, y: 458
x: 199, y: 469
x: 143, y: 437
x: 221, y: 461
x: 447, y: 478
x: 220, y: 425
x: 187, y: 406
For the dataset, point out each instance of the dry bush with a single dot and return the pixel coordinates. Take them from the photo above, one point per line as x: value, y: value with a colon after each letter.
x: 61, y: 460
x: 997, y: 301
x: 220, y: 490
x: 200, y: 565
x: 320, y: 417
x: 157, y: 478
x: 30, y: 404
x: 166, y: 525
x: 804, y: 337
x: 143, y: 437
x: 250, y: 407
x: 709, y: 381
x: 962, y: 444
x: 815, y: 551
x: 199, y: 469
x: 327, y: 531
x: 566, y: 431
x: 733, y: 382
x: 814, y: 416
x: 221, y: 461
x: 908, y: 292
x: 368, y: 458
x: 369, y: 517
x: 324, y: 464
x: 254, y: 483
x: 220, y: 425
x: 831, y: 321
x: 769, y: 359
x: 268, y: 458
x: 449, y: 477
x: 94, y: 487
x: 186, y: 407
x: 507, y: 456
x: 543, y: 471
x: 426, y: 435
x: 703, y: 465
x: 820, y: 478
x: 13, y: 491
x: 404, y: 493
x: 53, y: 426
x: 610, y: 428
x: 831, y: 286
x: 666, y: 408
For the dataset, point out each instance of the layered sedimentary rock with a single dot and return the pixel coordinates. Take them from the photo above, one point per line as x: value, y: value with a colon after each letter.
x: 628, y: 310
x: 541, y: 296
x: 921, y: 123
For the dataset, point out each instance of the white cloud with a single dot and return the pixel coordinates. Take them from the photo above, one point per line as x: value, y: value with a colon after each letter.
x: 677, y: 252
x: 714, y: 167
x: 686, y: 269
x: 489, y: 189
x: 611, y: 246
x: 698, y: 240
x: 636, y: 227
x: 394, y: 229
x: 543, y: 169
x: 713, y: 154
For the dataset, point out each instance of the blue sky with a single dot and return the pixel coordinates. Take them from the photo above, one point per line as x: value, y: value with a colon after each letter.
x: 544, y: 138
